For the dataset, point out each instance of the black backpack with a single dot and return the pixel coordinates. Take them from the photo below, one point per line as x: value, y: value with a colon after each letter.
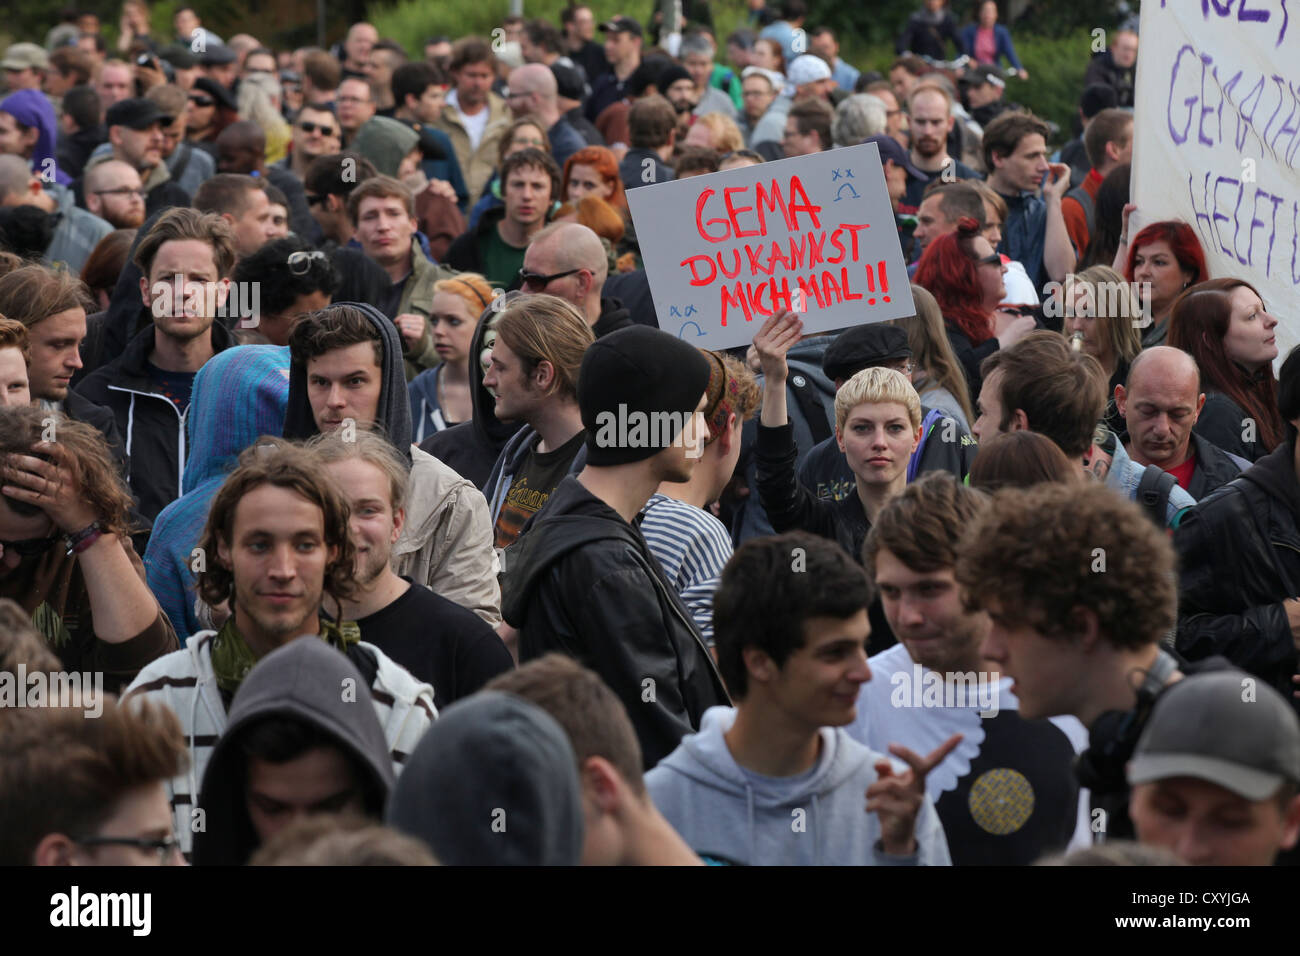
x: 1153, y: 494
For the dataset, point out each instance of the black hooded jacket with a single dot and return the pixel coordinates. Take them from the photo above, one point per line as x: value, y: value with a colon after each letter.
x: 582, y: 581
x: 394, y: 414
x: 472, y: 448
x: 612, y: 317
x: 301, y: 680
x: 1239, y: 552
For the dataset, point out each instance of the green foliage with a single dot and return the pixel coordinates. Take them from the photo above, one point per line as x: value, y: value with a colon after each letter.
x: 1056, y: 67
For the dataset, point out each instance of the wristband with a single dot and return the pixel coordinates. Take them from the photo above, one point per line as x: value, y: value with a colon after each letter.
x: 81, y: 540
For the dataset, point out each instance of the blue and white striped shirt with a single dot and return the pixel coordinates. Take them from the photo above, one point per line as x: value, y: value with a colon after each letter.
x: 693, y: 546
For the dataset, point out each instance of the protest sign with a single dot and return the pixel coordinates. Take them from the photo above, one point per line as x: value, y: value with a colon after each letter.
x: 814, y: 234
x: 1217, y: 137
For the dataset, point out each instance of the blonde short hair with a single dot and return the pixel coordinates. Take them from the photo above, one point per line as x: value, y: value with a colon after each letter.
x: 877, y: 386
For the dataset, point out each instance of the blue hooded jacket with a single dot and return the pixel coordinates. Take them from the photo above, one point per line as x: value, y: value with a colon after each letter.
x: 31, y: 108
x: 239, y: 395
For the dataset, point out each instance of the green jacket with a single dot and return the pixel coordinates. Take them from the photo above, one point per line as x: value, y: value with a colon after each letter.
x: 417, y: 297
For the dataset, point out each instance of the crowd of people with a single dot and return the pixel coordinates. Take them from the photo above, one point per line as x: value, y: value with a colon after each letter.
x: 319, y: 545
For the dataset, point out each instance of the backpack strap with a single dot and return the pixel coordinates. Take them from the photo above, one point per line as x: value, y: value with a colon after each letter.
x: 1080, y: 195
x: 1153, y: 493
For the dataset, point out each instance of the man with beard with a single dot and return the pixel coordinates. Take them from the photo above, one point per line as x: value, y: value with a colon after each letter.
x: 930, y: 109
x: 186, y: 260
x: 680, y: 91
x: 437, y: 640
x: 933, y: 684
x: 115, y: 194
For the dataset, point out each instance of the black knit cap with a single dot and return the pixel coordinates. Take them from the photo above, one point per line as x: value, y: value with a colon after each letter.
x: 645, y: 371
x: 862, y: 347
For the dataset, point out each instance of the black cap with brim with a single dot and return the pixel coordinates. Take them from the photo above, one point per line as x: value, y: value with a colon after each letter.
x: 218, y: 92
x: 135, y: 113
x: 864, y: 346
x: 180, y: 57
x: 622, y: 25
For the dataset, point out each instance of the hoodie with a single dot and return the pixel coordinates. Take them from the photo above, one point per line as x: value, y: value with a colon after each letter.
x: 446, y: 543
x: 472, y: 447
x: 727, y: 812
x: 219, y: 430
x: 300, y: 680
x: 493, y: 758
x: 32, y: 108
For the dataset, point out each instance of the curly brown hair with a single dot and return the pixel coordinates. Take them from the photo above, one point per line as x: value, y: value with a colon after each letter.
x: 1042, y: 553
x: 274, y: 461
x: 86, y: 455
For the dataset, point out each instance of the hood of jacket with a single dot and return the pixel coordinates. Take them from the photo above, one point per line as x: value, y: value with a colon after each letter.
x: 613, y: 316
x: 489, y: 428
x: 32, y: 108
x: 394, y: 414
x: 299, y: 680
x: 385, y: 142
x: 219, y: 428
x: 573, y: 518
x: 487, y: 755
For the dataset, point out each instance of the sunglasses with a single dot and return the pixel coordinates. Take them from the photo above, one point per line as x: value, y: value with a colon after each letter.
x: 537, y: 281
x: 990, y: 260
x: 29, y: 546
x: 300, y: 262
x: 202, y: 100
x: 310, y: 128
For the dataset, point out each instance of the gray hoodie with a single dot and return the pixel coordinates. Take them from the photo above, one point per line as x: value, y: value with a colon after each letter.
x: 308, y: 680
x: 728, y: 813
x: 493, y: 783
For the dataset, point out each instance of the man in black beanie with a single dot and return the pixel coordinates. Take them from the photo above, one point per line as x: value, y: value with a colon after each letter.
x: 581, y: 579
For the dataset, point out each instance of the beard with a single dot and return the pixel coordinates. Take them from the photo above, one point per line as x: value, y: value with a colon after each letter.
x: 370, y: 566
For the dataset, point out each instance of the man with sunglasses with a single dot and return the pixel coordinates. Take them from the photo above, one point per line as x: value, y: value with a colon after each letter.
x: 316, y: 133
x: 495, y: 247
x: 567, y: 260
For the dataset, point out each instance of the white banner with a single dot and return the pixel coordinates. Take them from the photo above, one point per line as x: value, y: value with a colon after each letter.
x: 814, y: 234
x: 1217, y: 130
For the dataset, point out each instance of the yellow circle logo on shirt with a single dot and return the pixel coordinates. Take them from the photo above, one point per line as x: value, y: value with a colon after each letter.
x: 1001, y: 801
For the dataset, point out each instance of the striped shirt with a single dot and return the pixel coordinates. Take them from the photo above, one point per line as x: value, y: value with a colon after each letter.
x: 185, y: 681
x: 693, y: 546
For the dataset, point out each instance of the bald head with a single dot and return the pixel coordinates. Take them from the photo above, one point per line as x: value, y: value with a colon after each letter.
x: 565, y: 246
x: 241, y: 148
x: 15, y: 175
x: 1161, y: 403
x: 533, y: 90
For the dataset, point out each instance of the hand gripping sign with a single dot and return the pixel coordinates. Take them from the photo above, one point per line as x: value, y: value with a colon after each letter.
x: 814, y: 234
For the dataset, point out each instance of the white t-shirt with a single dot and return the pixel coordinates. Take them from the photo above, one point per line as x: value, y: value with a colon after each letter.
x: 474, y: 125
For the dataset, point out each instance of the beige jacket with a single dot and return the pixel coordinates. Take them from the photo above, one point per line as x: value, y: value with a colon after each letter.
x: 446, y: 542
x: 417, y: 298
x: 477, y: 165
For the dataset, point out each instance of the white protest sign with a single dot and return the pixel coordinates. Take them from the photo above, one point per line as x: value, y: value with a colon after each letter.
x: 814, y: 234
x: 1217, y: 137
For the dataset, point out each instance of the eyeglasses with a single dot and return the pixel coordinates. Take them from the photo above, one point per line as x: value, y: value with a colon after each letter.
x: 310, y: 128
x: 121, y: 191
x: 165, y: 848
x: 537, y: 281
x: 300, y: 262
x: 202, y: 100
x: 29, y: 546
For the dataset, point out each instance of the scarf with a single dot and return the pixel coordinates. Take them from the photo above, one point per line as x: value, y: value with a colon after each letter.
x: 232, y: 658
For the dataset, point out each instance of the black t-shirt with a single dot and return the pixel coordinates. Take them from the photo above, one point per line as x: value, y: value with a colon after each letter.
x: 439, y: 642
x: 532, y: 485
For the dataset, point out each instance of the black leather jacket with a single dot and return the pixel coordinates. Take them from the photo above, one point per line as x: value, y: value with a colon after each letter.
x: 582, y: 581
x: 1240, y: 560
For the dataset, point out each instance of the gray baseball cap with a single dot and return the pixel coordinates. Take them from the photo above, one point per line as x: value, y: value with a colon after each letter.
x: 1226, y: 727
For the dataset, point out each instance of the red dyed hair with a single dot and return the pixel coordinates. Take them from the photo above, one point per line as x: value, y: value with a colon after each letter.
x: 1182, y: 242
x: 606, y: 165
x: 949, y: 273
x: 1197, y: 324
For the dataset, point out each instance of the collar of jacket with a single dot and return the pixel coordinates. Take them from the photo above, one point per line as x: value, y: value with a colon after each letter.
x: 497, y: 112
x: 133, y: 365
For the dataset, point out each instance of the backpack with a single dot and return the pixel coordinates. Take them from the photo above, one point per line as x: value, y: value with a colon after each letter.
x: 1153, y: 494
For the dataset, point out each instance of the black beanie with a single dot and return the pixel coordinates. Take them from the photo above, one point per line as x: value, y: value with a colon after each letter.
x: 629, y: 376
